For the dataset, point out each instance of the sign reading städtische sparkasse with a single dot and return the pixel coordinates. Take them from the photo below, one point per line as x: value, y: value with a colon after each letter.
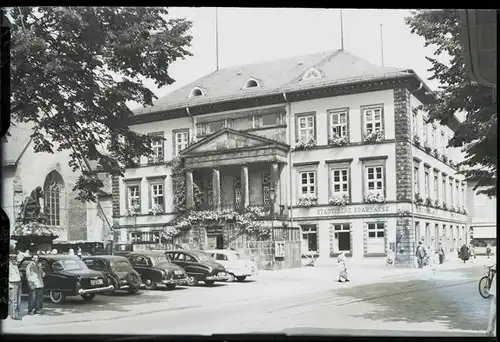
x: 349, y: 210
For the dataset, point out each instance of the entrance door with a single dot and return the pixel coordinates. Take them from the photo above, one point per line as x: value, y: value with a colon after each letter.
x: 219, y: 242
x: 344, y: 241
x: 341, y: 238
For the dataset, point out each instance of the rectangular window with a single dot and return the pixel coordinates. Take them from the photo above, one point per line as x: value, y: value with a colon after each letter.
x: 157, y: 197
x: 181, y: 141
x: 201, y: 129
x: 416, y: 178
x: 271, y: 119
x: 433, y: 137
x: 436, y: 186
x: 341, y: 241
x: 414, y: 123
x: 452, y: 200
x: 309, y: 239
x: 375, y: 178
x: 307, y: 183
x: 306, y: 128
x: 445, y: 200
x: 157, y: 147
x: 424, y: 129
x: 338, y: 124
x: 215, y: 126
x: 376, y: 238
x: 373, y: 119
x: 443, y: 143
x: 134, y: 198
x: 340, y: 181
x: 457, y: 195
x: 426, y: 183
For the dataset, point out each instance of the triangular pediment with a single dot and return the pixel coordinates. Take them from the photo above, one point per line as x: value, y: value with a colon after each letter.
x: 229, y: 139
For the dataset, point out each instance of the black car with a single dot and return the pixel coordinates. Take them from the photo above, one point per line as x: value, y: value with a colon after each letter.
x: 66, y: 276
x: 199, y: 266
x: 117, y: 269
x: 156, y: 269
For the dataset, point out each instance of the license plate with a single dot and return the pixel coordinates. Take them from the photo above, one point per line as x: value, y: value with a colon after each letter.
x: 222, y: 274
x: 178, y: 272
x: 96, y: 282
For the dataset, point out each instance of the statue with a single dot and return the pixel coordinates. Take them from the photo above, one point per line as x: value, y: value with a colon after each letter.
x: 30, y: 210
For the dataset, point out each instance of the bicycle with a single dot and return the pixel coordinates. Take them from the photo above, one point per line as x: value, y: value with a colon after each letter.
x: 486, y: 280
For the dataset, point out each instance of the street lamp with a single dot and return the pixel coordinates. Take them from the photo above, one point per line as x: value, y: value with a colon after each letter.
x: 272, y: 198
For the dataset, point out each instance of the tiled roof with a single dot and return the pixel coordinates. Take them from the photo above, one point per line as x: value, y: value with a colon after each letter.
x: 16, y: 143
x: 283, y: 75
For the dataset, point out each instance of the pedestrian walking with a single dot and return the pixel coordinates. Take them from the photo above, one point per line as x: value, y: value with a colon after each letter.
x: 464, y: 253
x: 492, y: 319
x: 472, y: 253
x: 421, y: 253
x: 389, y: 261
x: 34, y: 276
x: 488, y: 250
x: 14, y: 289
x: 441, y: 253
x: 71, y: 251
x: 342, y: 262
x: 79, y: 252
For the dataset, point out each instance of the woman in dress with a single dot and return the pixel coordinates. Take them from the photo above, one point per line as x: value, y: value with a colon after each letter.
x: 342, y: 262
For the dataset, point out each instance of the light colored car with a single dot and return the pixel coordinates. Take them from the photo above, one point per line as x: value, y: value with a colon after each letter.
x: 236, y: 267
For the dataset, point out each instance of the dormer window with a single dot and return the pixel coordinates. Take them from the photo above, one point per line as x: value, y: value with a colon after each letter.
x: 196, y: 92
x: 311, y: 74
x: 251, y: 83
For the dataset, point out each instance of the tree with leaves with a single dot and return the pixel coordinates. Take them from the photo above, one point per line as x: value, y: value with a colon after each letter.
x: 477, y: 135
x: 73, y: 69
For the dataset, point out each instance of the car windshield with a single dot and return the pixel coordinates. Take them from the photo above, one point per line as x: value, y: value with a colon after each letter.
x: 160, y: 259
x: 68, y: 265
x: 204, y: 257
x: 122, y: 266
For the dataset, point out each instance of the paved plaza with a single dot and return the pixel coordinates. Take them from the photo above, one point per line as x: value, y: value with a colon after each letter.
x: 378, y: 301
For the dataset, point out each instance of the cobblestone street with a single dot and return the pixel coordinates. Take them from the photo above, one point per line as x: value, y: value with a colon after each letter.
x: 445, y: 301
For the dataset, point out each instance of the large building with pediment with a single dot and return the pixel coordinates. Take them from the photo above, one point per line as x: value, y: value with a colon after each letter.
x: 343, y: 143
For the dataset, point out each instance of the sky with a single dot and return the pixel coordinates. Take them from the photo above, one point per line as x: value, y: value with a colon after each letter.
x: 250, y: 35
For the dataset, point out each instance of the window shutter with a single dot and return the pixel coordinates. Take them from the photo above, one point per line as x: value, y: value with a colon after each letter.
x: 150, y: 195
x: 126, y: 198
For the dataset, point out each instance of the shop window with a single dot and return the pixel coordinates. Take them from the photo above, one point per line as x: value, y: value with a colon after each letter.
x: 309, y: 239
x: 341, y: 238
x: 376, y: 238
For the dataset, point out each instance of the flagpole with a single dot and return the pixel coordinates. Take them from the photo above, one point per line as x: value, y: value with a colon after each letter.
x: 341, y: 32
x: 217, y: 38
x: 382, y: 44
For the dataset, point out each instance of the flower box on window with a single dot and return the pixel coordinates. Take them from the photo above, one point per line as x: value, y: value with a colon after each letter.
x: 307, y: 201
x: 418, y: 199
x: 416, y: 140
x: 437, y: 205
x: 133, y: 211
x: 339, y: 199
x: 428, y: 202
x: 337, y: 141
x: 444, y: 158
x: 427, y: 148
x: 452, y: 209
x: 155, y: 160
x: 444, y: 206
x: 450, y: 162
x: 436, y: 153
x: 305, y: 144
x: 375, y: 136
x: 156, y: 210
x: 374, y: 197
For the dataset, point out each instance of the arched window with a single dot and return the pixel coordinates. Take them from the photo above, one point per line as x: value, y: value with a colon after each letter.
x: 196, y: 92
x: 251, y: 83
x: 53, y: 189
x: 310, y: 74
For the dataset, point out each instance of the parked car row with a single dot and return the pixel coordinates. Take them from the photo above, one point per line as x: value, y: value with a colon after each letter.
x: 68, y: 275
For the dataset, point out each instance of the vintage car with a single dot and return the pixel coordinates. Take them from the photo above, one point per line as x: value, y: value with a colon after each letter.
x: 156, y: 269
x: 235, y: 266
x: 66, y: 276
x: 199, y: 266
x: 117, y: 269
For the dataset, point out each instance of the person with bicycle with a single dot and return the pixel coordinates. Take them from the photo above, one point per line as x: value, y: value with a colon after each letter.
x: 492, y: 319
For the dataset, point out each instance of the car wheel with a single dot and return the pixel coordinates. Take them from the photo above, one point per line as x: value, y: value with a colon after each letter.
x: 242, y: 278
x: 57, y: 297
x: 230, y: 277
x: 209, y: 282
x: 149, y: 284
x: 88, y: 297
x: 192, y: 281
x: 133, y: 280
x: 171, y: 286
